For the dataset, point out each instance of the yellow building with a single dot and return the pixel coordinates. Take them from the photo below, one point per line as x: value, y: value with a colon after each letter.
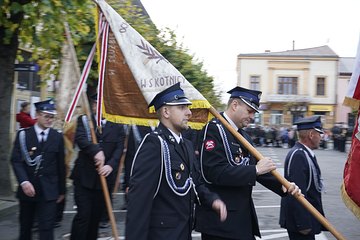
x: 295, y: 83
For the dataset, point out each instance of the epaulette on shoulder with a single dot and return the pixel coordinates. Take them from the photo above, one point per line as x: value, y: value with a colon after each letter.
x: 158, y: 131
x: 215, y: 121
x: 153, y: 134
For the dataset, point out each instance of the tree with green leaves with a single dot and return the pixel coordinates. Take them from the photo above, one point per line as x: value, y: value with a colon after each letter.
x: 38, y: 26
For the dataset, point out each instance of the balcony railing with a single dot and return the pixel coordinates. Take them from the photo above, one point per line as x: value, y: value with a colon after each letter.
x: 287, y: 98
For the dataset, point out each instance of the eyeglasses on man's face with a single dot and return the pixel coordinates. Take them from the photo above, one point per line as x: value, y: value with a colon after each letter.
x: 47, y: 116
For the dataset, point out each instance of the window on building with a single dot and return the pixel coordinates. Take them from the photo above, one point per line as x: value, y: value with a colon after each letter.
x: 287, y: 85
x: 28, y: 81
x: 255, y: 83
x: 320, y: 86
x: 276, y: 117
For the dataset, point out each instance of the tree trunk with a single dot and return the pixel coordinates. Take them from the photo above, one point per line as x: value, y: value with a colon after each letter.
x: 8, y: 50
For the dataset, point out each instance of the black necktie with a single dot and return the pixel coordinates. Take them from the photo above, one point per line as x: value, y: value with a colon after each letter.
x: 183, y: 147
x: 42, y: 139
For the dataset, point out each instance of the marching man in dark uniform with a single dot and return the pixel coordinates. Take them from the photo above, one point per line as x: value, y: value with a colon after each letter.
x: 94, y: 160
x: 231, y: 171
x: 302, y: 168
x: 164, y: 179
x: 39, y: 166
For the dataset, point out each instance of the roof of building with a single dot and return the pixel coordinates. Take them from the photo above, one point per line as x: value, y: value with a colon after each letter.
x: 322, y: 51
x: 346, y: 65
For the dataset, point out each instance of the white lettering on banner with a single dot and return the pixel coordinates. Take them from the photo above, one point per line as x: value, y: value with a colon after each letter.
x: 161, y: 81
x: 111, y: 54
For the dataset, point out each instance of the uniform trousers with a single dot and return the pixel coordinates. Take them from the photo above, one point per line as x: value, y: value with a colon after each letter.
x: 45, y: 211
x: 90, y: 205
x: 299, y: 236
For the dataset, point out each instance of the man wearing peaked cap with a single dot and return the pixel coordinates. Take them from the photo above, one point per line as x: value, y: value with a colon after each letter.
x: 164, y: 176
x: 47, y: 106
x: 301, y: 166
x: 231, y: 171
x: 313, y: 122
x: 171, y: 96
x: 250, y: 97
x: 39, y: 166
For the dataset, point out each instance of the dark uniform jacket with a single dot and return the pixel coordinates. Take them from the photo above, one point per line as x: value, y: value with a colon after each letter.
x: 155, y: 211
x: 111, y: 141
x: 293, y: 216
x: 134, y: 141
x: 49, y: 179
x: 233, y: 183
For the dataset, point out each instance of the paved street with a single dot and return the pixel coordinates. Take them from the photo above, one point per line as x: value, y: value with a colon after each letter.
x: 267, y: 204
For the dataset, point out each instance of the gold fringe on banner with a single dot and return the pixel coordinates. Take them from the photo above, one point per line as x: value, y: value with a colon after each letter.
x: 350, y: 204
x: 196, y: 122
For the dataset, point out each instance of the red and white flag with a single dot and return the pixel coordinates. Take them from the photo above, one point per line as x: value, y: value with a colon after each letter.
x: 352, y: 97
x: 350, y: 188
x: 68, y: 80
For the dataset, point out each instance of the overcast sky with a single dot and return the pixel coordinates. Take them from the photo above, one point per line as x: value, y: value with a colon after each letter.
x: 217, y: 31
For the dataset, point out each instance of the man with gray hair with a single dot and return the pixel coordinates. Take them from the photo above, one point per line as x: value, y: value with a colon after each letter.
x: 302, y: 168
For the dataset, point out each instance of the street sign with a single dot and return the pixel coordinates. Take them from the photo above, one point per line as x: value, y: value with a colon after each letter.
x: 26, y: 67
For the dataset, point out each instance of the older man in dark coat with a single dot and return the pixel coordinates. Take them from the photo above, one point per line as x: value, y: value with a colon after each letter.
x: 231, y: 171
x: 301, y: 166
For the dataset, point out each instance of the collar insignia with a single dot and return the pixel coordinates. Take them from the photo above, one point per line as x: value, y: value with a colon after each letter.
x: 172, y: 139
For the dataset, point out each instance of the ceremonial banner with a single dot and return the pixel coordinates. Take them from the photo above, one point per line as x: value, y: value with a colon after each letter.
x: 350, y: 188
x: 68, y: 80
x: 135, y: 72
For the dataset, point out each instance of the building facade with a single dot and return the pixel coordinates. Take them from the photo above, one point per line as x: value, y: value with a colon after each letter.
x: 295, y: 83
x: 344, y: 114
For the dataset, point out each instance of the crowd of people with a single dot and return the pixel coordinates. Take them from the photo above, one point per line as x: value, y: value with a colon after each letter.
x: 176, y: 179
x: 340, y: 133
x: 273, y: 136
x: 285, y: 136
